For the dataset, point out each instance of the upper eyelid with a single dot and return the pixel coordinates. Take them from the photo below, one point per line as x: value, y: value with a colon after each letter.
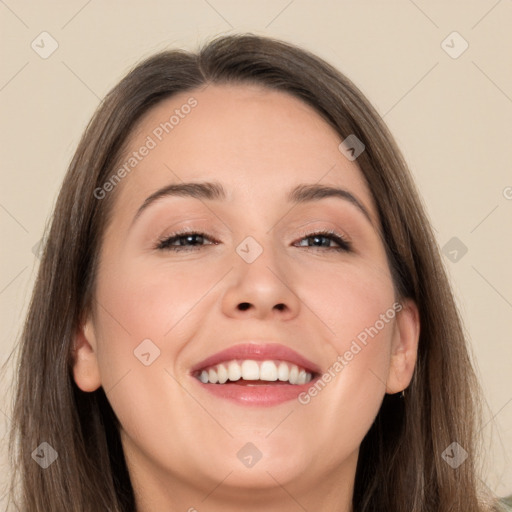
x: 325, y: 231
x: 301, y: 233
x: 300, y: 228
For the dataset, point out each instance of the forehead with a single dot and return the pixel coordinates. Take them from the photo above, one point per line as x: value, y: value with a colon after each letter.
x: 258, y: 142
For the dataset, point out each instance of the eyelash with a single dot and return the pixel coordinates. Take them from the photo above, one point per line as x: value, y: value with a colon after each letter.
x: 164, y: 244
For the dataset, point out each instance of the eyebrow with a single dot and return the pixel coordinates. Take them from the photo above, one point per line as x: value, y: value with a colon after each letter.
x: 214, y: 191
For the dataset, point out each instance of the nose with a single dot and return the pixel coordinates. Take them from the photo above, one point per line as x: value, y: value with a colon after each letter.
x: 261, y: 289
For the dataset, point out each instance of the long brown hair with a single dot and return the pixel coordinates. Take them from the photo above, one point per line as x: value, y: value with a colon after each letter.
x: 401, y: 467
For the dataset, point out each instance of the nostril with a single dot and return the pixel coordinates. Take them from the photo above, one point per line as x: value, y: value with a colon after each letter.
x: 244, y: 305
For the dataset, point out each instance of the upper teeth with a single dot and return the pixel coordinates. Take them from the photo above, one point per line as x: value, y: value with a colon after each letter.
x: 255, y: 370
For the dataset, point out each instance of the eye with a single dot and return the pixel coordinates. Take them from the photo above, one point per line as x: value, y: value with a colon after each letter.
x: 180, y: 241
x: 329, y: 235
x: 194, y: 237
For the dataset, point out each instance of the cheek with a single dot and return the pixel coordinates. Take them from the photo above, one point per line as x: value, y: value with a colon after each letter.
x: 146, y: 316
x: 346, y: 298
x: 357, y: 309
x: 150, y: 301
x: 360, y: 310
x: 145, y: 320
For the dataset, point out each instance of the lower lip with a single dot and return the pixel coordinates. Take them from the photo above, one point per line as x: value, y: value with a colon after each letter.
x: 259, y: 394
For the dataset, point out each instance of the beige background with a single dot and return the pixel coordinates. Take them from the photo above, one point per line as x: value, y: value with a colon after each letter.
x: 452, y: 117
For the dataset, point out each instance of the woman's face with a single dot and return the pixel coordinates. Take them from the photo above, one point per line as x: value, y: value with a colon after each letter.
x: 256, y: 276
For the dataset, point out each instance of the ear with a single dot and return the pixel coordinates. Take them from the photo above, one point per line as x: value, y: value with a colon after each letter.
x: 404, y: 348
x: 86, y: 370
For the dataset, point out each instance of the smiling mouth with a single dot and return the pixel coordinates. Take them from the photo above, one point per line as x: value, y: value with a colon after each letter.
x: 249, y: 372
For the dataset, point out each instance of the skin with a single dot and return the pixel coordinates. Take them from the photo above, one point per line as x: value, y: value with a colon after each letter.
x: 180, y: 442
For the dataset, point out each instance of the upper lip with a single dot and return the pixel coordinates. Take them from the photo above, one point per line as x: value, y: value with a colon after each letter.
x: 258, y: 352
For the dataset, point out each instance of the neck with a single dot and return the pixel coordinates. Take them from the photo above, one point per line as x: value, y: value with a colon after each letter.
x: 157, y: 489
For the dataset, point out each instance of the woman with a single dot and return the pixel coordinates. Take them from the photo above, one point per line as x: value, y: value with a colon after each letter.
x: 186, y: 350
